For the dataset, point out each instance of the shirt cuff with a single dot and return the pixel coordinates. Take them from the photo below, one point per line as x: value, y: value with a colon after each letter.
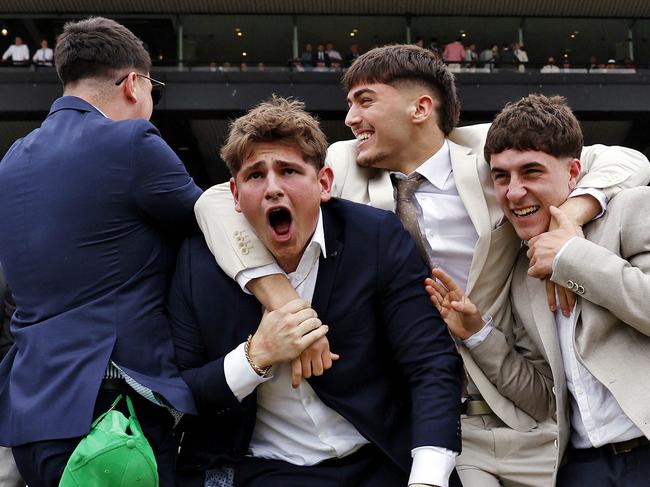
x: 559, y: 253
x: 243, y: 277
x: 432, y: 465
x: 477, y: 338
x: 596, y: 193
x: 240, y: 376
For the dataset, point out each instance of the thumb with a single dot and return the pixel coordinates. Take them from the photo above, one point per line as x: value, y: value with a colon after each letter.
x: 560, y: 218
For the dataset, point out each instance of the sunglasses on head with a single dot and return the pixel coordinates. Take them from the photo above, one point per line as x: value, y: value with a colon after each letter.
x: 157, y: 87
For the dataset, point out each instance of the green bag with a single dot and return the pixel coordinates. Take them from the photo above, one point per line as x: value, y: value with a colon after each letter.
x: 114, y: 453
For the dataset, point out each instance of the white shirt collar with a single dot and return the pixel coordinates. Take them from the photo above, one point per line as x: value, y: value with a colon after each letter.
x: 437, y: 168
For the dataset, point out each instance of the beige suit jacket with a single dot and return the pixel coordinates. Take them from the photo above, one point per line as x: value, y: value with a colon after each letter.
x: 610, y: 271
x: 236, y: 247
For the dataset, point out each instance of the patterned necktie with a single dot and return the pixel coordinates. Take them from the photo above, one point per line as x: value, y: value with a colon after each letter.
x: 405, y: 210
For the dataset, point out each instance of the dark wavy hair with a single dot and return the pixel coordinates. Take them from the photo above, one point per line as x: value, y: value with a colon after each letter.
x: 404, y: 62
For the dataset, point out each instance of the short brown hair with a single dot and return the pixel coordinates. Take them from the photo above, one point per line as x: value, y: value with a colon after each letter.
x: 392, y: 64
x: 98, y: 47
x: 538, y: 123
x: 276, y: 119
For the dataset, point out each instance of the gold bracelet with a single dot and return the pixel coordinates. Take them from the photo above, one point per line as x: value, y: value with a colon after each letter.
x: 262, y: 372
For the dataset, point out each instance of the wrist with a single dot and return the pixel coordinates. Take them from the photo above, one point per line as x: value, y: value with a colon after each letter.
x: 259, y: 361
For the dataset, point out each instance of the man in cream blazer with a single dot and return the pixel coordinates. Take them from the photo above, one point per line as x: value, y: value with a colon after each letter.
x: 399, y: 125
x: 587, y: 369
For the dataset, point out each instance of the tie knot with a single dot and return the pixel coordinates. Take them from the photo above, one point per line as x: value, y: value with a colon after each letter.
x: 406, y: 187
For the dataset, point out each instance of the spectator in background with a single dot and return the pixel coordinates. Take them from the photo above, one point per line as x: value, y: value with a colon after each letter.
x: 508, y: 58
x: 434, y: 47
x: 18, y: 52
x: 354, y: 53
x: 44, y: 56
x: 490, y: 55
x: 9, y: 476
x: 521, y: 55
x: 550, y: 66
x: 454, y: 53
x: 307, y: 57
x: 471, y: 56
x: 321, y: 58
x: 336, y: 60
x: 419, y: 41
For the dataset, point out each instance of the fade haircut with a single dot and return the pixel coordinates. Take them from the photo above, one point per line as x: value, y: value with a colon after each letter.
x: 98, y: 48
x: 536, y: 123
x: 275, y: 120
x: 408, y: 63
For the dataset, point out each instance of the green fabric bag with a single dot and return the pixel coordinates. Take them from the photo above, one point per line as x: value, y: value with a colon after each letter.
x: 114, y: 453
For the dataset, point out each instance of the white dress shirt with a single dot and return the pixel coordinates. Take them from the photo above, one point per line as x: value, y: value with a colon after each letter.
x: 443, y: 219
x: 596, y: 417
x: 294, y: 425
x: 43, y: 56
x: 17, y: 53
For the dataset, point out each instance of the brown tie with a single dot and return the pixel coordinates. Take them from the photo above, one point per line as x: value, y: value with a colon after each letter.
x: 405, y: 210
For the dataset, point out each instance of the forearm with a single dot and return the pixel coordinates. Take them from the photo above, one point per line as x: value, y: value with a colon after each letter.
x: 272, y: 291
x: 526, y: 380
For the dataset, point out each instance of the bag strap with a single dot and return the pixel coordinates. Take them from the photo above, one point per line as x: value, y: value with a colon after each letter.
x: 117, y: 399
x: 130, y: 406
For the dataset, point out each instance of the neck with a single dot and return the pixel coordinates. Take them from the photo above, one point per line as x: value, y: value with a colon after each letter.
x: 424, y: 145
x: 92, y: 91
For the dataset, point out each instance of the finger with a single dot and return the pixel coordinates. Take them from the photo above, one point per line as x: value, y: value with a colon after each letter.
x: 571, y: 298
x: 296, y: 372
x: 560, y: 217
x: 550, y: 295
x: 326, y: 360
x: 439, y: 288
x: 334, y: 356
x: 564, y: 301
x: 445, y: 279
x: 307, y: 326
x: 295, y: 305
x: 306, y: 366
x: 464, y: 307
x: 312, y: 336
x: 304, y: 314
x: 317, y: 365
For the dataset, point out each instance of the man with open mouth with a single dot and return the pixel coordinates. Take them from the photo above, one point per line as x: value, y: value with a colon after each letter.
x: 393, y: 393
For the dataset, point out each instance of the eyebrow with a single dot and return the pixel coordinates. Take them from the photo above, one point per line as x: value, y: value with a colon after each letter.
x: 360, y: 93
x: 529, y: 165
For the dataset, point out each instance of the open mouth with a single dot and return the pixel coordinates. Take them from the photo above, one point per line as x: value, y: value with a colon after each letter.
x: 524, y: 212
x: 280, y: 220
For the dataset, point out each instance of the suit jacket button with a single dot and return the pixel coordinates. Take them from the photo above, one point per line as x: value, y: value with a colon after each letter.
x: 569, y: 284
x: 581, y: 290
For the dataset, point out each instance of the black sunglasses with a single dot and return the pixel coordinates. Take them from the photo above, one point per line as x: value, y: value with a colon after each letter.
x: 157, y: 87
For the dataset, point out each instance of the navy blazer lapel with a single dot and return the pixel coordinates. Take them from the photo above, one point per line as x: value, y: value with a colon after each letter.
x: 327, y: 267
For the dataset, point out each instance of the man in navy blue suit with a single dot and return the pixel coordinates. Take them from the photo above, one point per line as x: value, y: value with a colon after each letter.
x: 393, y: 394
x: 86, y: 204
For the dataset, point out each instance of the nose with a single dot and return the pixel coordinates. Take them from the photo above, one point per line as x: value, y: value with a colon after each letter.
x: 273, y: 187
x: 352, y: 118
x: 516, y: 190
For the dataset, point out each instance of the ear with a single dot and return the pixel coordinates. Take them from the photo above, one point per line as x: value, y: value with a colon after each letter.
x: 235, y: 194
x: 326, y: 181
x: 424, y: 108
x: 574, y: 173
x: 129, y: 89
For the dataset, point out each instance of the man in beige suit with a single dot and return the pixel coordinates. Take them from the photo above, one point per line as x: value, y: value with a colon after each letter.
x: 588, y: 369
x: 403, y: 110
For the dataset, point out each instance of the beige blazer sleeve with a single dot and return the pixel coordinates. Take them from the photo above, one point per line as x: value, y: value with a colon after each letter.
x: 612, y: 168
x: 618, y: 283
x: 512, y: 361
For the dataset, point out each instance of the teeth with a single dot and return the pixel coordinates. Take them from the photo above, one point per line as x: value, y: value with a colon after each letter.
x: 364, y: 136
x: 526, y: 211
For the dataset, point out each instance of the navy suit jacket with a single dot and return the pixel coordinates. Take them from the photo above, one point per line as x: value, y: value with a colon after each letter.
x: 398, y: 378
x: 85, y: 204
